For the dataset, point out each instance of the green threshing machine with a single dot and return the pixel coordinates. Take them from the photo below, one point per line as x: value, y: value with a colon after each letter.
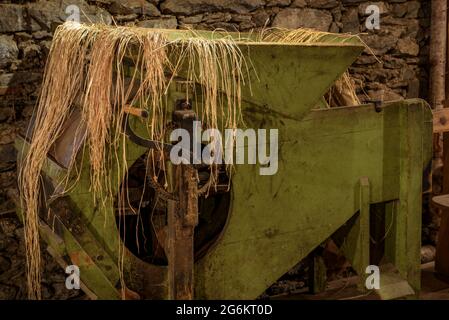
x: 340, y: 169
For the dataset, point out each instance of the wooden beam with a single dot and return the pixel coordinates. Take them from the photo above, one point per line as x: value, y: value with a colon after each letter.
x: 437, y: 54
x: 441, y: 120
x: 136, y: 111
x: 442, y: 249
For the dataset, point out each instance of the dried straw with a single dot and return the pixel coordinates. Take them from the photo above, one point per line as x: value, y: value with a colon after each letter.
x: 63, y: 72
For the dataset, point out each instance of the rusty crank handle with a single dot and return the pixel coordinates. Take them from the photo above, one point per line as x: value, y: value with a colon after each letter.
x: 151, y: 144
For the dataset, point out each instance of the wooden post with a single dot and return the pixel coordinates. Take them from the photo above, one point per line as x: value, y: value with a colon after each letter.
x: 408, y: 216
x: 438, y: 53
x: 442, y: 251
x: 437, y: 57
x: 183, y: 218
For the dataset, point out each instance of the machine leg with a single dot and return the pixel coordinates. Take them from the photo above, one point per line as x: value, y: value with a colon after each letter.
x: 364, y: 232
x: 408, y: 215
x: 354, y: 238
x: 442, y: 254
x: 318, y: 273
x: 182, y: 219
x: 403, y: 239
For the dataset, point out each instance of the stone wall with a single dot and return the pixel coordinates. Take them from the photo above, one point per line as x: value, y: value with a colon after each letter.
x: 26, y: 27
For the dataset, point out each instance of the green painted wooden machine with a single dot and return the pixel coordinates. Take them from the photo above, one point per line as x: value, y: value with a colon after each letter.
x: 337, y: 167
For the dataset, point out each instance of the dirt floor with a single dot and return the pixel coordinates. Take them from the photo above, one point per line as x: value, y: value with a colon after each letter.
x: 432, y: 288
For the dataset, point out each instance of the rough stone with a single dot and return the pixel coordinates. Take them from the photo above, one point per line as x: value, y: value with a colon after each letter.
x: 22, y: 36
x: 8, y: 50
x: 278, y: 3
x: 366, y: 60
x: 49, y: 14
x: 7, y: 179
x: 391, y: 62
x: 395, y: 31
x: 240, y: 18
x: 382, y: 92
x: 8, y: 154
x: 223, y: 25
x: 335, y: 28
x: 380, y: 44
x: 336, y: 14
x: 408, y: 46
x: 413, y: 28
x: 45, y: 47
x: 298, y: 18
x: 10, y: 81
x: 397, y: 83
x: 39, y: 35
x: 7, y: 292
x: 409, y: 9
x: 31, y: 54
x: 322, y: 4
x: 350, y: 21
x: 408, y: 74
x: 246, y: 25
x: 161, y: 23
x: 12, y: 18
x: 261, y: 18
x: 190, y: 7
x: 298, y: 4
x: 217, y: 17
x: 6, y: 113
x: 192, y: 19
x: 390, y: 20
x: 352, y: 2
x: 381, y: 75
x: 125, y: 18
x: 383, y: 8
x: 133, y: 6
x: 5, y: 264
x: 413, y: 89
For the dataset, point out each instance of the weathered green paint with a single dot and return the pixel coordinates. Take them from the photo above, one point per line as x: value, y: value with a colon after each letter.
x: 322, y: 159
x: 356, y: 243
x: 293, y: 78
x: 318, y: 275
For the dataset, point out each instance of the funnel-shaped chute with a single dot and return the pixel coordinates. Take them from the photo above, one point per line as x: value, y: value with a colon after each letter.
x: 289, y: 78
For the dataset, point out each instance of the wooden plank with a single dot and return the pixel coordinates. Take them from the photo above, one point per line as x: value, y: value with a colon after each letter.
x: 442, y: 248
x: 442, y: 252
x: 356, y: 244
x: 441, y: 120
x: 318, y: 272
x: 136, y: 111
x: 407, y: 257
x: 182, y: 220
x: 90, y: 294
